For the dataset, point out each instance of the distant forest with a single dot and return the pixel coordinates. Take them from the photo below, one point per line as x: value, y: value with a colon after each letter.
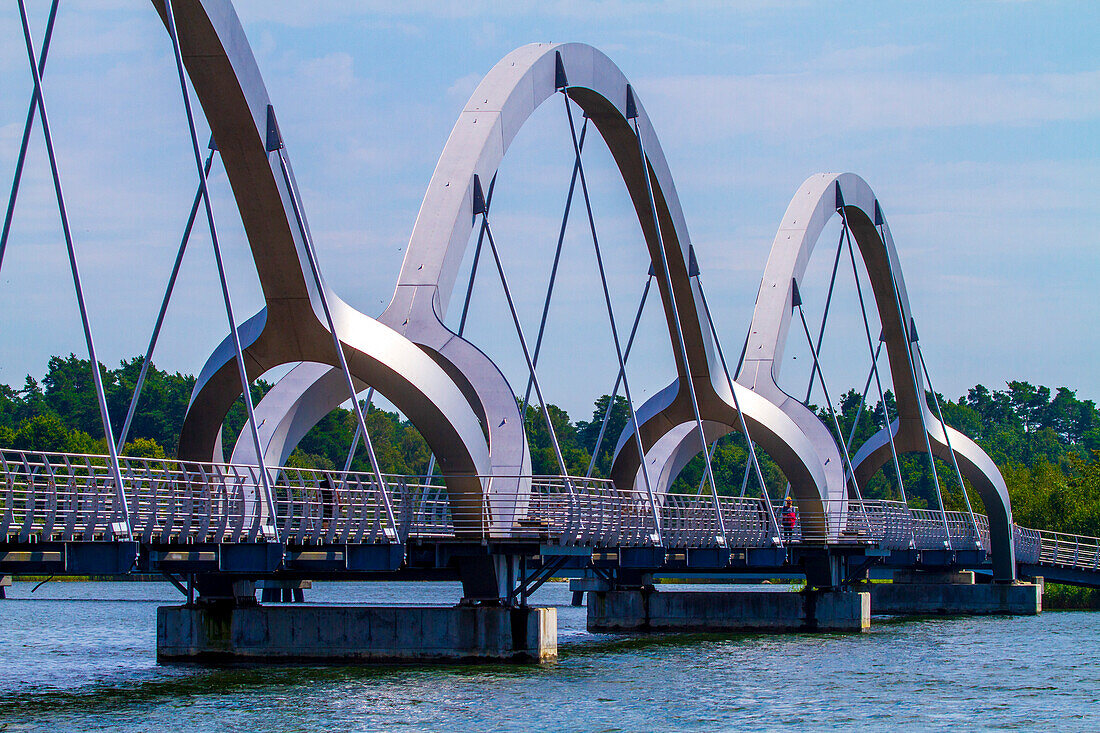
x: 1046, y: 442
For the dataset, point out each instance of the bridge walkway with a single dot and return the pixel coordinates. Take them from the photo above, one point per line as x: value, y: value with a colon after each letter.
x: 61, y: 514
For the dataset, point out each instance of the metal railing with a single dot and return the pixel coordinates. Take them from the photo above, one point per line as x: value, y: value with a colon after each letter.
x: 929, y: 532
x: 1066, y: 550
x: 1028, y: 544
x: 885, y: 524
x: 70, y: 497
x: 554, y: 509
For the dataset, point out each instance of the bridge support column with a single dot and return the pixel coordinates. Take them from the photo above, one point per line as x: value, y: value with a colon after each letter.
x: 953, y: 593
x: 749, y: 610
x: 282, y: 634
x: 5, y: 581
x: 285, y: 591
x: 224, y: 591
x: 580, y: 586
x: 487, y: 578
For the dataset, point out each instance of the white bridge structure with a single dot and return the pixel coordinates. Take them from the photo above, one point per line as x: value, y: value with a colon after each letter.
x: 481, y: 511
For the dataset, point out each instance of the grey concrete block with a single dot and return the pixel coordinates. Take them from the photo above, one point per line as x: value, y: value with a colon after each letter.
x: 949, y: 599
x: 779, y: 611
x: 952, y: 577
x: 356, y: 634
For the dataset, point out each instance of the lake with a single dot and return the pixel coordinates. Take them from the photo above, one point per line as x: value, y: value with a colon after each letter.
x: 82, y: 656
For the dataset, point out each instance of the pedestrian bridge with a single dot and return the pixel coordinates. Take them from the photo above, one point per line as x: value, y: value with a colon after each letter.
x: 219, y: 517
x: 61, y: 511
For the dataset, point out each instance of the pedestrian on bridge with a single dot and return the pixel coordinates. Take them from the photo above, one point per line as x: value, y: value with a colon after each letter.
x: 788, y: 519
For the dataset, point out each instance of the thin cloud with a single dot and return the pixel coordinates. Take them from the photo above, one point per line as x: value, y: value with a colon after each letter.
x: 812, y: 105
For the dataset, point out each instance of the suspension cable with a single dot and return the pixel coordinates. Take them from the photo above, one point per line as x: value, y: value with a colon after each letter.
x: 680, y: 342
x: 745, y: 478
x: 465, y: 308
x: 863, y: 398
x: 740, y: 415
x: 910, y: 337
x: 618, y: 378
x: 265, y: 480
x: 947, y: 437
x: 874, y: 358
x: 614, y: 328
x: 164, y: 304
x: 748, y: 463
x: 703, y: 478
x: 888, y: 424
x: 477, y: 259
x: 358, y: 433
x: 825, y: 313
x: 554, y: 267
x: 527, y: 354
x: 828, y: 399
x: 97, y: 378
x: 315, y: 270
x: 820, y: 335
x: 21, y: 158
x: 862, y: 408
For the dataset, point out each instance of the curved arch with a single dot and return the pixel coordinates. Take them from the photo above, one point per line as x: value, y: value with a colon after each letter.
x: 818, y: 200
x: 500, y: 105
x: 290, y: 328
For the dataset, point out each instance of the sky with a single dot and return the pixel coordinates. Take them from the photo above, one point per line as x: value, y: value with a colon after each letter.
x: 977, y: 125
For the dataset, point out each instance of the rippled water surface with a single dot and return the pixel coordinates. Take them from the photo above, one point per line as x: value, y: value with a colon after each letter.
x: 81, y: 656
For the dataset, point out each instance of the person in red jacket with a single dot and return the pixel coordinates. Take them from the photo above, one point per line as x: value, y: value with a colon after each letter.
x: 788, y: 519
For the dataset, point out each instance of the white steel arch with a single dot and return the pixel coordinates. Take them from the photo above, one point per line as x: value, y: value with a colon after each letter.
x: 500, y: 105
x: 819, y: 199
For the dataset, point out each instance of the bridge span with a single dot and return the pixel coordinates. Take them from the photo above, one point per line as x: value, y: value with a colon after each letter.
x: 62, y: 516
x: 198, y: 526
x: 215, y: 527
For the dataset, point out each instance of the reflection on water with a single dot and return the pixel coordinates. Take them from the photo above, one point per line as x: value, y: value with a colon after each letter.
x: 81, y: 656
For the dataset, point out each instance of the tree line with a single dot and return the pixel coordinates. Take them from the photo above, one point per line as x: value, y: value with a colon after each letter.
x: 1046, y: 442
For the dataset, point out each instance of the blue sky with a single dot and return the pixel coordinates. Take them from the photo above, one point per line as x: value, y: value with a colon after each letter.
x: 977, y: 124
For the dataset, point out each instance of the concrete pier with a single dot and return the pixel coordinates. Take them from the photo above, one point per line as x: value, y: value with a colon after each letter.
x: 351, y: 634
x: 5, y: 582
x: 284, y: 591
x: 953, y: 594
x: 778, y: 611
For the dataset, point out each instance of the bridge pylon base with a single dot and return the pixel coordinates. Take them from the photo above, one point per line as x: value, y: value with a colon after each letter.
x: 750, y: 610
x: 953, y: 594
x: 355, y: 634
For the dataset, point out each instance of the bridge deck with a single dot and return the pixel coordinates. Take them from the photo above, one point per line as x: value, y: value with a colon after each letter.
x: 63, y: 514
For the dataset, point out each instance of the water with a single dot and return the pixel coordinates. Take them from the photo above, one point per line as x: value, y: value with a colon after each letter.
x: 81, y: 656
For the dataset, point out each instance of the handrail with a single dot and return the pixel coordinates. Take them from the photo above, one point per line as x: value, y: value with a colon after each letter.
x: 71, y: 497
